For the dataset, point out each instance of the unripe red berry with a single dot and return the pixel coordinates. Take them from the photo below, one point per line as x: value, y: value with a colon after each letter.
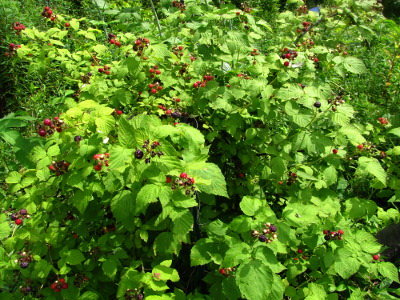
x: 183, y: 175
x: 286, y: 64
x: 64, y: 286
x: 376, y: 257
x: 118, y: 43
x: 335, y: 151
x: 119, y: 112
x: 42, y: 132
x: 46, y: 8
x: 299, y: 251
x: 325, y: 231
x: 177, y: 100
x: 153, y: 91
x: 18, y: 221
x: 67, y: 24
x: 151, y: 70
x: 168, y: 179
x: 101, y: 70
x: 107, y: 72
x: 340, y: 231
x: 159, y: 87
x: 47, y: 122
x: 97, y: 167
x: 158, y: 72
x: 316, y: 60
x: 62, y: 280
x: 360, y: 146
x: 112, y: 41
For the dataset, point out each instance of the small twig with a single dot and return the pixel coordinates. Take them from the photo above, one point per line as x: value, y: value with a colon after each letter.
x: 155, y: 16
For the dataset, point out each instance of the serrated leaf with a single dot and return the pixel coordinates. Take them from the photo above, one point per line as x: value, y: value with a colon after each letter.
x: 110, y: 267
x: 210, y: 172
x: 81, y: 199
x: 147, y: 194
x: 371, y: 166
x: 5, y: 230
x: 13, y: 177
x: 74, y: 257
x: 165, y: 273
x: 105, y: 124
x: 255, y: 280
x: 388, y: 270
x: 237, y: 254
x: 316, y: 292
x: 201, y: 252
x: 354, y: 65
x: 182, y: 220
x: 250, y: 205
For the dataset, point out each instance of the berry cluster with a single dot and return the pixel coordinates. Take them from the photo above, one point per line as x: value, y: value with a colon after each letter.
x: 308, y: 43
x: 112, y: 40
x: 58, y: 285
x: 306, y: 27
x: 289, y: 53
x: 245, y: 7
x: 183, y: 69
x: 244, y: 76
x: 183, y: 182
x: 192, y: 57
x: 100, y: 160
x: 140, y: 45
x: 292, y: 178
x: 133, y: 294
x: 336, y: 102
x: 383, y: 121
x: 302, y: 10
x: 177, y: 50
x: 48, y: 126
x: 332, y: 235
x: 227, y: 271
x: 48, y: 13
x: 105, y: 70
x: 155, y: 86
x: 314, y: 59
x: 19, y: 216
x: 369, y: 148
x: 26, y: 289
x: 179, y: 4
x: 254, y: 52
x: 24, y: 260
x: 80, y: 279
x: 59, y: 167
x: 267, y: 235
x: 199, y: 83
x: 12, y: 49
x: 154, y: 71
x: 340, y: 48
x: 86, y: 78
x: 18, y: 27
x: 150, y: 151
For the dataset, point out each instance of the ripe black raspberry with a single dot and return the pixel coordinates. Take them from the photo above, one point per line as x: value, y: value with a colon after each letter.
x: 317, y: 104
x: 24, y: 265
x: 262, y: 238
x: 138, y: 154
x: 273, y: 228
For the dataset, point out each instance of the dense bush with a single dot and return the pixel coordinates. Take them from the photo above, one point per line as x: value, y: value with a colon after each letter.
x: 206, y: 155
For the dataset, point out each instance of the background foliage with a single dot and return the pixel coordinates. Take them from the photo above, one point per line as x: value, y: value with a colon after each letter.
x: 198, y: 150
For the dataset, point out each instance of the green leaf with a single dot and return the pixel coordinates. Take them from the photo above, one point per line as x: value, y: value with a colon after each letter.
x: 74, y: 257
x: 123, y: 206
x: 89, y: 296
x: 182, y: 220
x: 81, y: 199
x: 13, y: 177
x: 345, y: 264
x: 388, y: 270
x: 250, y: 205
x: 110, y: 267
x: 105, y: 124
x: 165, y: 273
x: 147, y: 194
x: 371, y: 166
x: 316, y: 292
x: 210, y: 172
x: 354, y: 65
x: 202, y: 252
x: 255, y: 280
x: 237, y: 254
x: 5, y: 229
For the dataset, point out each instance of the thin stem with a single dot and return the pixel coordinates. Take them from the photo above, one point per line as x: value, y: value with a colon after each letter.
x: 155, y: 16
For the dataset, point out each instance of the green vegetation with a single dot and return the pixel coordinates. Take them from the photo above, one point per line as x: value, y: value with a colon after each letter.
x: 198, y: 150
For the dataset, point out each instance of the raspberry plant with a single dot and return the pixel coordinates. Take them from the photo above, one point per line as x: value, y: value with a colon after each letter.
x: 137, y: 195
